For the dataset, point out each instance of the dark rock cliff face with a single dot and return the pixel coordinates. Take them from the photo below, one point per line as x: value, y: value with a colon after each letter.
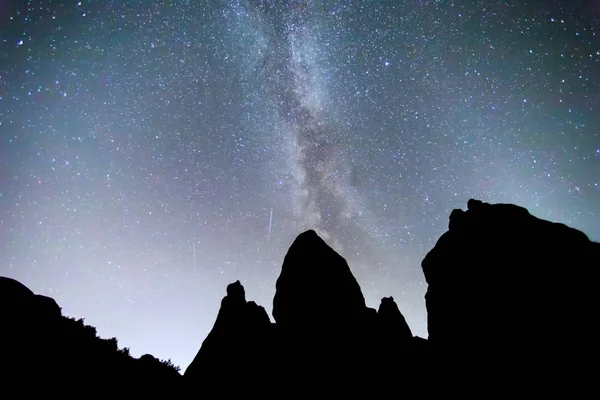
x: 511, y: 310
x: 510, y: 299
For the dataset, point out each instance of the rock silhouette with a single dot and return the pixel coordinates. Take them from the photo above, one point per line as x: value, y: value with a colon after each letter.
x: 511, y: 310
x: 239, y: 339
x: 315, y: 285
x: 510, y: 301
x: 323, y: 338
x: 392, y: 321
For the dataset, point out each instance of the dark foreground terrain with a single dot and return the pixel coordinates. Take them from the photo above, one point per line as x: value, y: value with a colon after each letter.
x: 510, y: 312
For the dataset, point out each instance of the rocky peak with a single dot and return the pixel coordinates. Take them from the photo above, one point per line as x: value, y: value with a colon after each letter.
x: 392, y: 321
x: 235, y: 293
x: 505, y: 285
x: 315, y: 285
x: 239, y: 332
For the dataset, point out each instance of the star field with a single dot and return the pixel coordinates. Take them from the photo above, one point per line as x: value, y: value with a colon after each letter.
x: 153, y: 152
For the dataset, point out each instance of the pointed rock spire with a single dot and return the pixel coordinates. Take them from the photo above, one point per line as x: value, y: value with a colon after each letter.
x: 240, y: 333
x: 315, y: 285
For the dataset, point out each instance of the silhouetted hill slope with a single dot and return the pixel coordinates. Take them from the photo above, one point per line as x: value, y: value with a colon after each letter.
x: 511, y: 310
x: 43, y: 352
x: 511, y: 300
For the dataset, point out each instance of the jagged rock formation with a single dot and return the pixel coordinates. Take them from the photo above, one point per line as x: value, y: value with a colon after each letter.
x: 43, y: 352
x: 241, y: 337
x: 323, y: 338
x: 496, y: 314
x: 510, y: 305
x: 510, y: 299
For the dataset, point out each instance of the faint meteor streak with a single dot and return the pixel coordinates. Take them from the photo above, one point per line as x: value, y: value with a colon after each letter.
x: 194, y: 248
x: 270, y: 222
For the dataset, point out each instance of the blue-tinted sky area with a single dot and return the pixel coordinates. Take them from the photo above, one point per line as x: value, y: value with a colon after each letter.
x: 151, y: 152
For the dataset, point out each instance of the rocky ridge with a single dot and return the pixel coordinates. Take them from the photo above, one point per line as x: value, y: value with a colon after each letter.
x: 510, y: 310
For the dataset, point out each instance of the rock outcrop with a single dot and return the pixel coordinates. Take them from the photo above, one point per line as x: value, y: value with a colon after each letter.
x: 316, y: 286
x: 392, y: 321
x: 18, y: 301
x: 323, y: 338
x: 506, y: 304
x: 511, y: 310
x: 510, y: 301
x: 241, y: 340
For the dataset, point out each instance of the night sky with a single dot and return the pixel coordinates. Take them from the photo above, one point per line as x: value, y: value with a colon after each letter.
x: 153, y: 152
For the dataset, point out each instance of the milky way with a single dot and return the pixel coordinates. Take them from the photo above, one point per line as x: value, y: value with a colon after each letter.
x: 153, y: 152
x: 289, y: 76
